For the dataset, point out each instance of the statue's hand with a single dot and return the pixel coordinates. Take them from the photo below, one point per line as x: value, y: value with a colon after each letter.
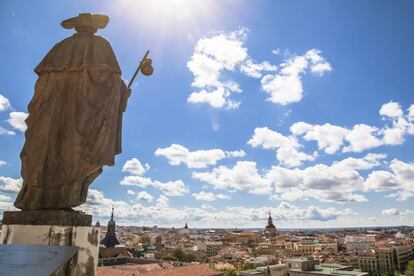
x: 128, y: 92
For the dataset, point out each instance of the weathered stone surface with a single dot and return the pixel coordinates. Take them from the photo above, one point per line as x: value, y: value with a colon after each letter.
x: 85, y: 238
x: 75, y: 119
x: 47, y: 217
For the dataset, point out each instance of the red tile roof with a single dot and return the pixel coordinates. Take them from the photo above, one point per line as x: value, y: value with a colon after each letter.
x: 156, y: 270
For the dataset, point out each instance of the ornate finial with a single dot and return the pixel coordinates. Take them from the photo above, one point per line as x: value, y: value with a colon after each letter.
x: 112, y: 214
x: 270, y: 215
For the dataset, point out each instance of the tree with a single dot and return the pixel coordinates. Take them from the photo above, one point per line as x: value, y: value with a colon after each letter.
x: 179, y: 254
x: 188, y: 258
x: 169, y: 258
x: 410, y: 269
x: 247, y: 266
x: 229, y: 272
x: 145, y: 240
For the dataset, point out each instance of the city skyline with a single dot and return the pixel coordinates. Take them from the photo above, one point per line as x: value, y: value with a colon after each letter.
x: 250, y: 110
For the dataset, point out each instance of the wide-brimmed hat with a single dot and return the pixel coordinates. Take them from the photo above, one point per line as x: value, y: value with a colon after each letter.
x: 86, y: 20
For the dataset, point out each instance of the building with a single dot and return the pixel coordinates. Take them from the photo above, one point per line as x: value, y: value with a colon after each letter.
x: 110, y: 239
x: 386, y: 260
x: 306, y: 247
x: 309, y: 247
x: 309, y: 267
x: 271, y: 270
x: 157, y: 269
x: 110, y: 246
x: 270, y: 229
x: 211, y: 248
x: 304, y: 263
x: 403, y: 254
x: 185, y: 230
x: 368, y: 263
x: 359, y: 243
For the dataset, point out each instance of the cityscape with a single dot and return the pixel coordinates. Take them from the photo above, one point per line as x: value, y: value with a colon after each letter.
x: 260, y: 252
x: 209, y: 137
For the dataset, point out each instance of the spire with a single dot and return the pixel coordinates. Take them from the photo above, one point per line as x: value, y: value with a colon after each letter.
x: 110, y: 239
x: 270, y: 220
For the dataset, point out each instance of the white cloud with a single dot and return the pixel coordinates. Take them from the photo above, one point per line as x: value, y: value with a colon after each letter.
x: 143, y: 195
x: 411, y: 112
x: 221, y: 196
x: 207, y: 206
x: 4, y: 131
x: 400, y: 179
x: 395, y: 134
x: 215, y: 98
x: 401, y: 195
x: 319, y: 65
x: 236, y: 153
x: 407, y: 212
x: 178, y: 154
x: 135, y: 167
x: 285, y: 86
x: 338, y: 183
x: 243, y: 176
x: 162, y: 214
x: 135, y: 180
x: 170, y: 188
x: 282, y: 89
x: 209, y: 196
x: 360, y: 137
x: 391, y: 212
x: 391, y: 109
x: 16, y: 120
x: 6, y: 202
x: 2, y: 163
x: 379, y: 181
x: 130, y: 192
x: 256, y: 70
x: 4, y: 103
x: 329, y: 137
x: 10, y: 185
x: 214, y: 55
x: 287, y: 148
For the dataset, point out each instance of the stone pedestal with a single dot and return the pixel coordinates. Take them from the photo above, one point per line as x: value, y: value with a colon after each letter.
x: 21, y: 228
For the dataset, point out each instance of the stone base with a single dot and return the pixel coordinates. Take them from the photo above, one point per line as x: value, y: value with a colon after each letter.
x: 47, y: 217
x: 84, y: 237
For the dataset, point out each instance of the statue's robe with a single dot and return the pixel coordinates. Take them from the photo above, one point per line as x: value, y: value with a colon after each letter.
x: 74, y: 123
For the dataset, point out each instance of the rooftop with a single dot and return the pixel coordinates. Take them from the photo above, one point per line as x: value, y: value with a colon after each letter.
x: 157, y: 270
x: 330, y: 269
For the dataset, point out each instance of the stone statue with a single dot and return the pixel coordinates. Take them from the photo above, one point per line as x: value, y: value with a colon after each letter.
x: 75, y: 118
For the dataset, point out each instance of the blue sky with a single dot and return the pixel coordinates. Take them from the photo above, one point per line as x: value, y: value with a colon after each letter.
x: 304, y: 108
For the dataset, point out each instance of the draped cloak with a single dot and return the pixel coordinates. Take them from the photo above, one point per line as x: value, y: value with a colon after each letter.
x: 74, y: 123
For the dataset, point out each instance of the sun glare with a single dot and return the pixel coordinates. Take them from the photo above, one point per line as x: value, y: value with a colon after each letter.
x: 158, y: 15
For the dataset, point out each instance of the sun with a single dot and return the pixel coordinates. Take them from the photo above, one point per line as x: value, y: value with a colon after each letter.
x: 171, y: 15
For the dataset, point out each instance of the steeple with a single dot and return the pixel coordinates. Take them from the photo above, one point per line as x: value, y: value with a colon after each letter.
x: 270, y: 229
x: 270, y: 220
x: 186, y: 226
x: 110, y: 239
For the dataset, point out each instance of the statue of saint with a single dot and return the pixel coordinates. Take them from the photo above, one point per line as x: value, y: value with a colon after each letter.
x: 75, y: 118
